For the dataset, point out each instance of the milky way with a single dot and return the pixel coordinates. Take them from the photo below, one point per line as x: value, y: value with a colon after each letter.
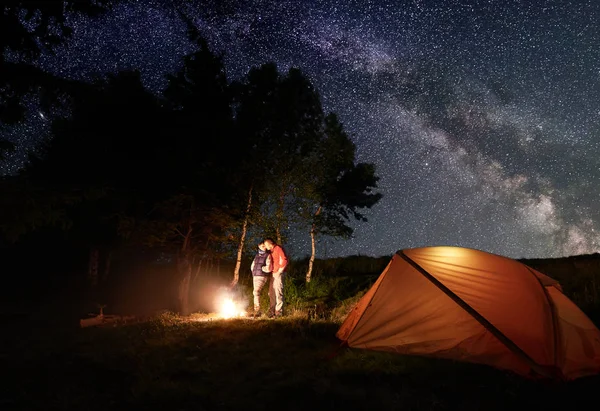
x: 483, y: 121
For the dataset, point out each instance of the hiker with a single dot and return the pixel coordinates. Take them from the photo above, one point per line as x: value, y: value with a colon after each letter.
x: 279, y: 261
x: 261, y: 273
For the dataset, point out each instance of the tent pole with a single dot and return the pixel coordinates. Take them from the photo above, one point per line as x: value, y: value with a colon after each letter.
x: 482, y: 320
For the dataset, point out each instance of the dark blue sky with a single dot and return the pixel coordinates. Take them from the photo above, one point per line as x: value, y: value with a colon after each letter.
x: 497, y: 149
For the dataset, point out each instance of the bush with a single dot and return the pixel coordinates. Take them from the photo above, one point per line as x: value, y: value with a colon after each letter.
x: 337, y: 284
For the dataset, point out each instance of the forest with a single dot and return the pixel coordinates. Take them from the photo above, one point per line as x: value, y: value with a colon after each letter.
x: 193, y: 175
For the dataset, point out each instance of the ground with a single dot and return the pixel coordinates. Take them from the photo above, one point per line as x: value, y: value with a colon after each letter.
x: 202, y: 363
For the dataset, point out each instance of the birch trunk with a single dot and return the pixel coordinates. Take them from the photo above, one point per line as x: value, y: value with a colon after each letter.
x: 238, y: 262
x: 313, y: 248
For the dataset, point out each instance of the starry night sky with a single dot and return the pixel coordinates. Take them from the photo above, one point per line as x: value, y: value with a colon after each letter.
x: 482, y: 117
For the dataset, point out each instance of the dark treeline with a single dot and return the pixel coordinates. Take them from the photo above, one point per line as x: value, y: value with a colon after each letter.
x: 138, y: 200
x: 179, y: 181
x: 579, y: 277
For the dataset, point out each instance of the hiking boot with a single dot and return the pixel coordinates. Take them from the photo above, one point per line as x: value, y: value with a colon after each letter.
x: 256, y: 314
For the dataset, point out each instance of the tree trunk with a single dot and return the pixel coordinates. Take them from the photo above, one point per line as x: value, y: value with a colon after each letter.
x: 198, y: 268
x: 313, y: 248
x: 184, y: 268
x: 185, y: 271
x: 238, y: 261
x: 312, y: 254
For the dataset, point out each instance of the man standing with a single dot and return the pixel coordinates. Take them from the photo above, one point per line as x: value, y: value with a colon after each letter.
x: 280, y: 261
x: 261, y: 273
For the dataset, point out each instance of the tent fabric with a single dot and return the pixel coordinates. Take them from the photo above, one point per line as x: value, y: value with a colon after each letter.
x: 470, y: 305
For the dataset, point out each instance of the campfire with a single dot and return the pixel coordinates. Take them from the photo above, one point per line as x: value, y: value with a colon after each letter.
x: 229, y: 308
x: 229, y: 303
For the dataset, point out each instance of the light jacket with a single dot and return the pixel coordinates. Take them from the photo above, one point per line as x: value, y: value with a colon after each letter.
x: 279, y: 259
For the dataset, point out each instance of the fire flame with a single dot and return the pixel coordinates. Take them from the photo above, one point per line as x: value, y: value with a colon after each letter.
x: 229, y: 309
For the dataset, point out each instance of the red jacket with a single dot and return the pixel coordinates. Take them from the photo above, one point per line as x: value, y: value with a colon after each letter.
x: 278, y: 258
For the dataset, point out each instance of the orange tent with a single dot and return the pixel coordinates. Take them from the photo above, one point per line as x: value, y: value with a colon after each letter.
x: 469, y: 305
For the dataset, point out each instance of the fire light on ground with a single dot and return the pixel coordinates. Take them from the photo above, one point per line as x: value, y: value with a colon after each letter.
x: 227, y: 303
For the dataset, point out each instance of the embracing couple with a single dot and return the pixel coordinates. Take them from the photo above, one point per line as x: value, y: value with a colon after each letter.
x: 268, y: 267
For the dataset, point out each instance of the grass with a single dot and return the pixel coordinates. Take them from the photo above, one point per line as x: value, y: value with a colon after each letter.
x: 195, y: 363
x: 202, y: 363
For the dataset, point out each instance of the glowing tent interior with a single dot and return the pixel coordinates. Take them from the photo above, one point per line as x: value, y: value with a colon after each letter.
x: 469, y: 305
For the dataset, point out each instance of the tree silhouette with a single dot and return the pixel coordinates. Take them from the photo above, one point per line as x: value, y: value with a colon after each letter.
x: 150, y: 161
x: 193, y: 218
x: 336, y: 187
x: 279, y: 117
x: 184, y: 171
x: 99, y: 162
x: 153, y: 169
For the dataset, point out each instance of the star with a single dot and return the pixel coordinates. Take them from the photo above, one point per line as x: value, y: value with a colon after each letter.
x: 481, y: 117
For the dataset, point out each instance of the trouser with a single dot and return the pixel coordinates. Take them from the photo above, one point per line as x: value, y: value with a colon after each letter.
x: 258, y: 283
x: 276, y: 294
